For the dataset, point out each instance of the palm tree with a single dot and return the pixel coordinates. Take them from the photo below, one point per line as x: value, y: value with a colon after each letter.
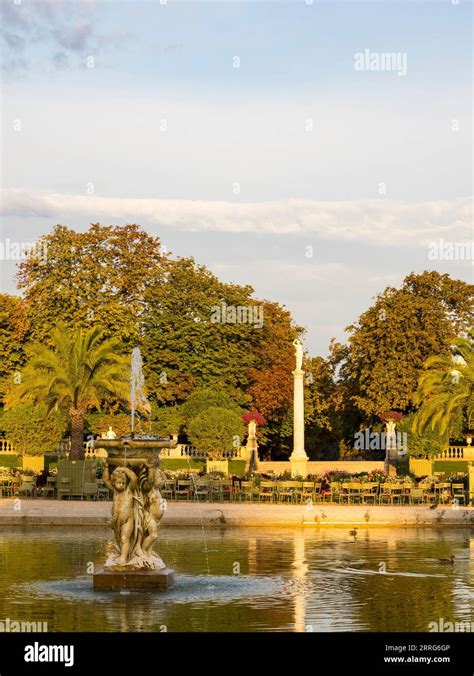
x: 446, y: 388
x: 80, y: 371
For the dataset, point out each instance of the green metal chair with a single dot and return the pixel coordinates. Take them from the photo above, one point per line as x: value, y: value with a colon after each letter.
x: 89, y: 490
x: 64, y: 489
x: 27, y: 487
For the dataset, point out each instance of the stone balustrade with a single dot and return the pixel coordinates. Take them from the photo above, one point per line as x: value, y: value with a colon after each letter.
x: 456, y: 453
x: 6, y: 446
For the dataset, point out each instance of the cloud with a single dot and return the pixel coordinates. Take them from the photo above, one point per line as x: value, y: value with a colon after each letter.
x: 16, y: 42
x: 379, y: 222
x: 56, y: 24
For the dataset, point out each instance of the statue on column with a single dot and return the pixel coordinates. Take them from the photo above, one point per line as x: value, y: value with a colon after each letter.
x: 299, y: 353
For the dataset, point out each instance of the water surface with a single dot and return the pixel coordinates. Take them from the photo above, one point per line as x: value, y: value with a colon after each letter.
x: 245, y: 579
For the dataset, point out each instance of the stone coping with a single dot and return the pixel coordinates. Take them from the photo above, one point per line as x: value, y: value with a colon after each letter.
x: 39, y: 512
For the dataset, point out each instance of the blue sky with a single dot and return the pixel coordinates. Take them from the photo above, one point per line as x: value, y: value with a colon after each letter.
x: 255, y: 163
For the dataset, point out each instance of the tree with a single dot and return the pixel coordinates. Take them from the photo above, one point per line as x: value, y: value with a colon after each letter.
x: 13, y: 329
x: 188, y: 340
x: 216, y: 431
x: 96, y: 277
x: 76, y: 375
x: 99, y: 423
x: 446, y: 389
x: 31, y: 430
x: 205, y: 397
x: 166, y: 420
x: 426, y: 443
x: 271, y: 386
x: 392, y: 340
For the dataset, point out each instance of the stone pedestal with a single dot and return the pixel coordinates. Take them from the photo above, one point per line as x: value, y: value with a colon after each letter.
x: 146, y: 580
x: 251, y: 448
x: 298, y: 459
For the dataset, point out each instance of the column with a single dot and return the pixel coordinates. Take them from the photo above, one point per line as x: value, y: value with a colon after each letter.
x: 298, y: 459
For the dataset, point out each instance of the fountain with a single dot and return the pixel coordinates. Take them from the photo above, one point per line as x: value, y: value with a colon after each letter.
x: 132, y: 473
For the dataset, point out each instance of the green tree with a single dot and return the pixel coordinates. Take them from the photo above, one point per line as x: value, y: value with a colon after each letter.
x: 446, y: 389
x: 79, y: 373
x: 424, y: 443
x: 203, y: 398
x: 392, y: 340
x: 216, y: 431
x: 95, y: 277
x: 13, y: 329
x: 166, y: 420
x: 185, y: 343
x: 31, y: 429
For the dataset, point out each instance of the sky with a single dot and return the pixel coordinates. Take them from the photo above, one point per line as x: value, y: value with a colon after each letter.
x: 272, y: 141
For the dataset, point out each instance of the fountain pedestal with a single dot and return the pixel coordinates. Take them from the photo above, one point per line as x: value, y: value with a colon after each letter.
x: 136, y: 580
x: 137, y: 510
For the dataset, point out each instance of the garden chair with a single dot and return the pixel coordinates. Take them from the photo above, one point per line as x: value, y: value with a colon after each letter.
x: 397, y: 494
x: 443, y: 493
x: 318, y: 496
x: 407, y: 486
x: 8, y: 488
x: 168, y: 489
x: 64, y: 489
x: 307, y: 492
x: 385, y: 495
x: 344, y: 493
x: 247, y: 491
x: 417, y: 496
x: 227, y: 489
x: 216, y: 491
x: 202, y: 489
x: 103, y: 492
x: 267, y: 491
x: 89, y: 490
x: 27, y: 486
x: 287, y: 491
x: 354, y: 493
x: 459, y: 493
x: 335, y: 494
x: 429, y: 495
x: 183, y: 489
x: 369, y: 493
x: 50, y: 489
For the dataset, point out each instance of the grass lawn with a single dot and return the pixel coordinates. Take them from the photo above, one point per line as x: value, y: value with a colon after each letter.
x: 449, y: 466
x: 7, y: 460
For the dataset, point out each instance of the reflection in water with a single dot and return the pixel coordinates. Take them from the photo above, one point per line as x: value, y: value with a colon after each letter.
x: 290, y: 580
x: 300, y: 568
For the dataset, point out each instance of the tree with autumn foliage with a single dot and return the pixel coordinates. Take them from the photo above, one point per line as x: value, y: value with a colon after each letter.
x: 388, y: 346
x: 98, y: 277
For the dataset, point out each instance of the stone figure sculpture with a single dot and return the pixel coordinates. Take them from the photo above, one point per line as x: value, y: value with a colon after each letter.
x: 137, y: 510
x: 299, y: 353
x: 123, y: 483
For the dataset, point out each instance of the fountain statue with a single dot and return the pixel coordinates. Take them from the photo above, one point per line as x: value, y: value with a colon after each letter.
x: 138, y: 506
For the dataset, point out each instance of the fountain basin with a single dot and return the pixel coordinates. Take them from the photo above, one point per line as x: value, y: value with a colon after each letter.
x: 134, y: 451
x: 151, y: 580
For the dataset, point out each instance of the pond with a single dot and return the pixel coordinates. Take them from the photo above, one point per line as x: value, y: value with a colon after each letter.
x: 321, y: 580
